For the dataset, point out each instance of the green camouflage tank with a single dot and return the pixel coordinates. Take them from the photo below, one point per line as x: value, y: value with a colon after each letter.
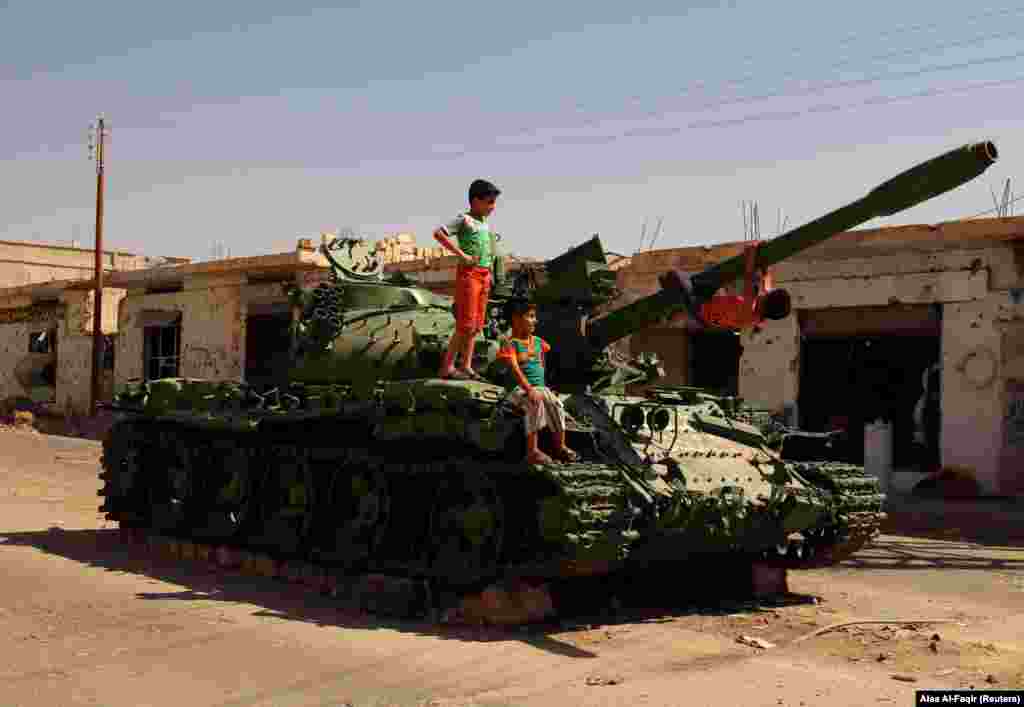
x: 364, y: 462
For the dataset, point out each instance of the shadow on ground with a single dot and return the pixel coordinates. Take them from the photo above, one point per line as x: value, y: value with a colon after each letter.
x: 910, y: 553
x: 82, y: 427
x: 581, y: 604
x: 992, y: 531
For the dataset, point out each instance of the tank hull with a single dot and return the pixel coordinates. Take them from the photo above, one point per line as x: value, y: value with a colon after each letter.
x: 414, y: 484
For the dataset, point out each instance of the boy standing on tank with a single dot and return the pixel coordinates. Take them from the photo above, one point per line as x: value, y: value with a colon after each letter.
x: 474, y: 246
x: 524, y: 353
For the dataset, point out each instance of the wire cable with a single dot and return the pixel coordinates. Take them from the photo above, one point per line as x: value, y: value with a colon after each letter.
x: 913, y: 51
x: 849, y: 83
x: 858, y: 38
x: 959, y: 43
x: 497, y: 148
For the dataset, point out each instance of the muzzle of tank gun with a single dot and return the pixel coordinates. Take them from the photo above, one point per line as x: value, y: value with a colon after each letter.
x: 931, y: 178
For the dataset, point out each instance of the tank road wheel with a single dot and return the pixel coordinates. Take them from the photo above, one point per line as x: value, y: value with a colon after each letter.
x: 352, y: 515
x: 171, y: 493
x: 467, y: 528
x: 284, y: 506
x: 230, y: 495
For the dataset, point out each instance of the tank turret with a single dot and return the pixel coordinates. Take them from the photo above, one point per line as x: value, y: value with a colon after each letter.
x: 580, y: 280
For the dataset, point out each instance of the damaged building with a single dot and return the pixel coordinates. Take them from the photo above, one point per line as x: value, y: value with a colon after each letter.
x: 46, y: 321
x: 909, y: 338
x: 46, y: 343
x: 226, y: 319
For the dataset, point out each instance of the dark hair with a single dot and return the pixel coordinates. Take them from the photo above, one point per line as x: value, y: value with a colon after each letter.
x: 517, y: 306
x: 776, y: 305
x: 482, y: 189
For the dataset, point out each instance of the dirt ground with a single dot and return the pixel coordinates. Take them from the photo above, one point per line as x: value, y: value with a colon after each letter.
x: 93, y: 622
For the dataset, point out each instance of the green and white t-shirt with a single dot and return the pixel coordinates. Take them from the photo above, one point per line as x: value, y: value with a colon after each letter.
x: 475, y: 240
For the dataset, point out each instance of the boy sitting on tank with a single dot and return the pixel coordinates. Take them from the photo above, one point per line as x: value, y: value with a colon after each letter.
x: 474, y: 247
x: 524, y: 353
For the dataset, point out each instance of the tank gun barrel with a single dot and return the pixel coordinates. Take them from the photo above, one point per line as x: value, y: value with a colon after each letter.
x: 909, y: 188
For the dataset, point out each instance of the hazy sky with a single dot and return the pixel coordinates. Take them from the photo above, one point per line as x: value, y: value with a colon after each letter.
x: 255, y: 124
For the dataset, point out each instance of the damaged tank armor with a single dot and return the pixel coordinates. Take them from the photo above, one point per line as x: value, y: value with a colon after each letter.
x: 365, y: 462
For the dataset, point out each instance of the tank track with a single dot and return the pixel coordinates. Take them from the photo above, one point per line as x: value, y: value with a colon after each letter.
x: 857, y: 518
x: 299, y: 491
x: 313, y: 493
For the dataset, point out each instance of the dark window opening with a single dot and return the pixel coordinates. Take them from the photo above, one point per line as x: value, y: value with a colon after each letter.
x: 165, y: 288
x: 108, y: 353
x: 715, y: 362
x: 42, y: 342
x: 162, y: 349
x: 267, y: 349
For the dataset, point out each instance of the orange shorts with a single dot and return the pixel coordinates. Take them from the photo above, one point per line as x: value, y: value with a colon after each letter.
x: 472, y: 290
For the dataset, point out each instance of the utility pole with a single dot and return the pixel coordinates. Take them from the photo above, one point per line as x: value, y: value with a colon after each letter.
x: 98, y: 135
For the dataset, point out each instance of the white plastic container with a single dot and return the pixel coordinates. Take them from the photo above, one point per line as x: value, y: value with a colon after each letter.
x: 878, y: 451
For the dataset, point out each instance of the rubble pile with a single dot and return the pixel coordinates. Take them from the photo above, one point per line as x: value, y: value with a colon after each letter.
x: 403, y: 248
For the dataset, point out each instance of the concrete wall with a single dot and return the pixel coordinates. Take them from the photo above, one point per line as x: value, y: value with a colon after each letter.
x: 212, y: 328
x: 27, y: 263
x: 14, y: 338
x: 973, y: 270
x: 71, y: 315
x: 980, y: 354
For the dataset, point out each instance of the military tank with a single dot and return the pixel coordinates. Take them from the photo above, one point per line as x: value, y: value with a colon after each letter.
x: 363, y: 461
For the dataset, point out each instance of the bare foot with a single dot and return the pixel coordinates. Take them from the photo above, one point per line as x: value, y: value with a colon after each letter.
x: 539, y: 457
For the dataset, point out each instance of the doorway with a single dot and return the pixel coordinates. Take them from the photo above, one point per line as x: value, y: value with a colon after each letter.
x: 715, y: 362
x: 267, y: 349
x: 861, y: 365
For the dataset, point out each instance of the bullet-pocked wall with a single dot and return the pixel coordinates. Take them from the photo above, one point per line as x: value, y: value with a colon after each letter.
x: 973, y: 273
x: 198, y: 326
x: 192, y: 329
x: 47, y: 343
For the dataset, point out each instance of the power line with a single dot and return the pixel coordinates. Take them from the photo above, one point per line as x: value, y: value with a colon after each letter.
x: 901, y: 52
x: 816, y: 90
x: 735, y: 122
x: 833, y: 108
x: 849, y: 83
x: 895, y: 31
x: 835, y: 65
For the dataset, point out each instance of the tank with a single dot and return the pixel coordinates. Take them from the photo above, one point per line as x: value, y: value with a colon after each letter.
x: 362, y: 462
